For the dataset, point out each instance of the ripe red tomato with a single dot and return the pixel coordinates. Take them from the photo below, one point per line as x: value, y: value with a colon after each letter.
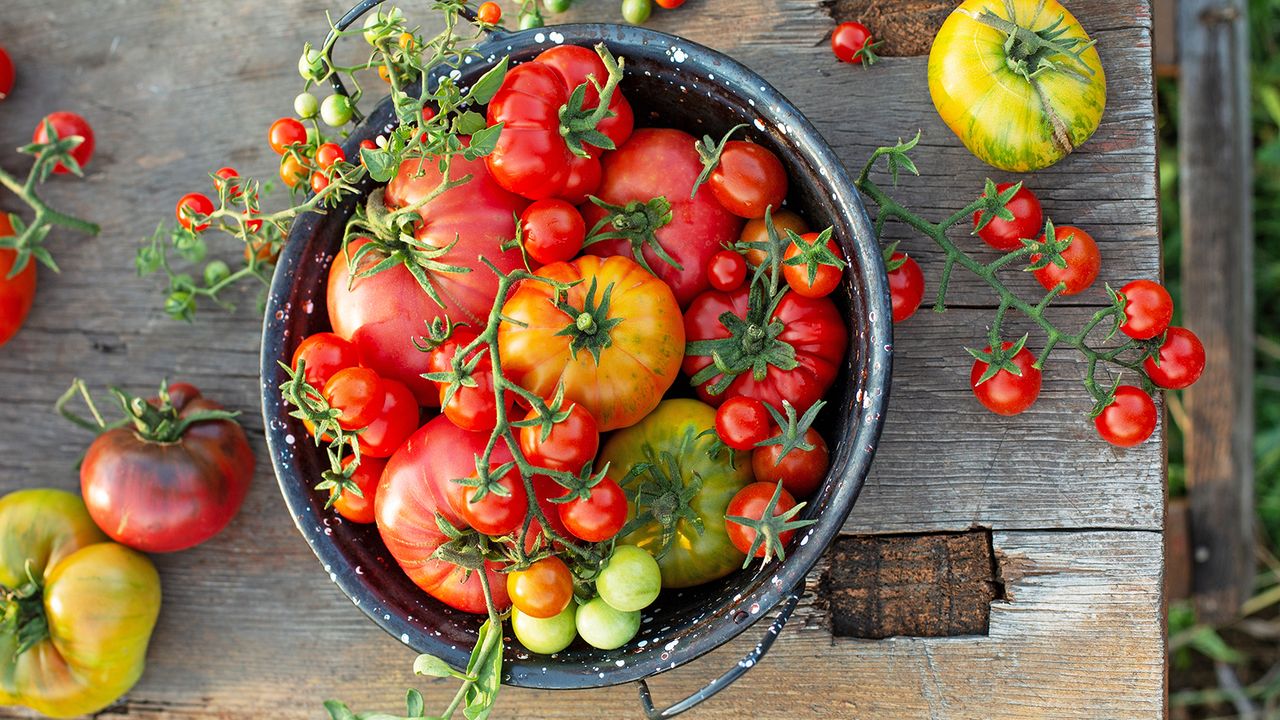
x: 748, y: 179
x: 660, y: 162
x: 751, y: 502
x: 359, y: 508
x: 173, y: 493
x: 1027, y: 222
x: 584, y: 179
x: 850, y: 42
x: 600, y: 516
x: 542, y: 590
x: 906, y: 286
x: 742, y: 422
x: 325, y: 354
x: 1005, y: 393
x: 222, y: 175
x: 553, y: 231
x: 191, y: 205
x: 285, y: 132
x: 318, y: 182
x: 6, y: 74
x: 328, y: 154
x: 571, y: 445
x: 727, y: 270
x: 825, y: 277
x: 801, y: 472
x: 495, y: 514
x: 16, y: 293
x: 489, y: 13
x: 358, y: 393
x: 1181, y: 360
x: 395, y: 421
x: 1148, y: 309
x: 755, y: 231
x: 1082, y: 258
x: 1129, y: 419
x: 67, y: 124
x: 575, y: 64
x: 669, y: 4
x: 292, y: 171
x: 473, y: 408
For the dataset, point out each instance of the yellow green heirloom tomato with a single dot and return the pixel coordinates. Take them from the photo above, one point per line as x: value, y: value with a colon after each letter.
x: 1019, y: 81
x: 78, y: 610
x: 678, y: 491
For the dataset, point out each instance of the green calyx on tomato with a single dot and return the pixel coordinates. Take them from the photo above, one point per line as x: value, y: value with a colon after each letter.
x: 590, y: 326
x: 578, y: 122
x: 160, y: 422
x: 752, y: 345
x: 1031, y: 52
x: 710, y: 151
x: 637, y: 223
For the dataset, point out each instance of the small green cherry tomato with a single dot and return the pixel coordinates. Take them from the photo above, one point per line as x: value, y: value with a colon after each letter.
x: 310, y: 65
x: 636, y: 11
x: 556, y: 6
x: 546, y: 636
x: 530, y: 20
x: 631, y: 580
x: 305, y: 105
x: 336, y: 110
x: 604, y: 627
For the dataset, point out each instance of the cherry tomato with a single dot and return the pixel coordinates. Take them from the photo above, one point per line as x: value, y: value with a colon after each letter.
x: 742, y: 422
x: 285, y: 132
x: 318, y: 182
x: 16, y: 293
x: 489, y: 13
x: 367, y: 144
x: 1082, y: 258
x: 801, y: 472
x: 669, y: 4
x: 542, y: 590
x: 825, y: 277
x: 358, y: 393
x: 727, y: 270
x: 906, y: 287
x: 630, y: 579
x: 1027, y: 222
x: 359, y: 508
x: 1005, y: 393
x: 262, y: 251
x: 849, y: 42
x: 336, y: 110
x: 1129, y: 419
x: 599, y: 517
x: 6, y: 74
x: 1148, y: 309
x: 191, y: 205
x: 750, y: 502
x: 224, y: 174
x: 395, y: 421
x: 572, y: 443
x: 553, y: 231
x: 292, y: 171
x: 599, y: 624
x: 496, y: 514
x: 67, y: 124
x: 545, y: 636
x: 473, y: 408
x: 748, y: 179
x: 755, y: 231
x: 328, y: 154
x: 1181, y: 360
x: 636, y: 11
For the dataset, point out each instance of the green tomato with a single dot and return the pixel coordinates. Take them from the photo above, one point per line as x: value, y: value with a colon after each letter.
x: 215, y: 272
x: 306, y: 105
x: 556, y: 6
x: 371, y: 30
x: 604, y: 627
x: 310, y: 65
x: 530, y: 20
x: 631, y: 580
x: 545, y: 636
x: 336, y: 110
x: 636, y: 11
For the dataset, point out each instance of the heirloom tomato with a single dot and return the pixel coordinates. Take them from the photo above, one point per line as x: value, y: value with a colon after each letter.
x: 1017, y: 106
x: 615, y: 339
x: 17, y: 292
x: 82, y: 607
x: 679, y: 491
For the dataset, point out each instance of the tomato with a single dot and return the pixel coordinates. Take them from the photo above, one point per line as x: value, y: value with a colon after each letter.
x: 623, y: 347
x: 906, y: 286
x: 1181, y: 360
x: 630, y: 579
x: 743, y: 422
x: 417, y: 484
x: 6, y: 74
x: 1005, y: 393
x: 664, y: 163
x: 571, y: 444
x: 292, y: 171
x: 318, y: 182
x: 305, y: 105
x: 545, y: 636
x: 91, y: 610
x: 1027, y: 222
x: 1129, y: 419
x: 603, y: 627
x: 336, y: 110
x: 17, y: 293
x: 727, y: 271
x: 497, y: 513
x: 813, y: 328
x: 359, y: 508
x: 585, y: 175
x: 1083, y: 261
x: 662, y: 457
x: 751, y: 502
x: 65, y: 125
x: 173, y: 491
x: 801, y: 472
x: 669, y: 4
x: 489, y: 13
x: 191, y: 206
x: 1016, y: 109
x: 221, y: 177
x: 756, y: 231
x: 852, y: 43
x: 810, y: 277
x: 473, y: 408
x: 748, y: 179
x: 553, y: 231
x: 328, y: 154
x: 357, y: 393
x: 576, y: 64
x: 284, y: 133
x: 542, y: 590
x: 598, y: 517
x: 395, y: 421
x: 1148, y: 309
x: 636, y: 12
x: 324, y: 354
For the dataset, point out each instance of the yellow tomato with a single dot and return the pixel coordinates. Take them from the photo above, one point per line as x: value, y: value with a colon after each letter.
x: 1019, y: 81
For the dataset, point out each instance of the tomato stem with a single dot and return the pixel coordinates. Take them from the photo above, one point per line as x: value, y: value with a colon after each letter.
x: 28, y: 239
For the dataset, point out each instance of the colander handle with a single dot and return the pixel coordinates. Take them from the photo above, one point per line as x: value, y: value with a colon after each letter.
x: 727, y: 679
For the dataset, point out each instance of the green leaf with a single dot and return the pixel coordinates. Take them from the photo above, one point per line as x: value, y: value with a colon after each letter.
x: 431, y: 666
x: 483, y: 142
x: 338, y: 711
x: 382, y: 166
x: 414, y: 706
x: 487, y: 86
x: 1209, y: 642
x: 469, y: 123
x: 486, y: 667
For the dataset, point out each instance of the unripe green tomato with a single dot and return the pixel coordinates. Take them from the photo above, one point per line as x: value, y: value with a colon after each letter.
x: 604, y: 627
x: 546, y: 636
x: 335, y: 111
x: 636, y: 11
x: 306, y: 105
x: 179, y: 304
x: 371, y: 35
x: 631, y: 580
x: 556, y: 6
x: 310, y: 65
x: 530, y: 20
x: 215, y: 272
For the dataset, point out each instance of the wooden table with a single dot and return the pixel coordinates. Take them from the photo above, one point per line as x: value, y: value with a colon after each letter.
x: 251, y: 626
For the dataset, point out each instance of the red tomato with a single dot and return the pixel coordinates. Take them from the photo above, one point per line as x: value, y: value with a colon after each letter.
x: 742, y: 422
x: 495, y: 514
x: 542, y: 590
x: 600, y: 516
x: 1129, y: 419
x: 395, y: 421
x: 553, y: 231
x: 1181, y: 360
x: 359, y: 508
x: 67, y: 124
x: 1148, y: 309
x: 755, y: 231
x: 1006, y: 393
x: 168, y: 495
x: 751, y: 502
x: 575, y: 64
x: 16, y: 293
x: 318, y: 182
x: 584, y: 179
x: 813, y: 327
x: 570, y: 446
x: 224, y: 174
x: 801, y: 472
x: 727, y: 270
x: 825, y: 277
x: 325, y: 354
x: 851, y: 42
x: 358, y: 393
x: 906, y: 287
x: 489, y: 13
x: 285, y: 132
x: 659, y: 162
x: 328, y: 154
x: 6, y: 74
x: 1027, y: 222
x: 292, y: 171
x: 748, y: 179
x: 1082, y: 258
x: 473, y: 408
x: 669, y: 4
x: 190, y: 206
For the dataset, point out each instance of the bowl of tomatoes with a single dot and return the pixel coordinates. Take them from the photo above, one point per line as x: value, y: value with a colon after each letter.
x: 701, y: 349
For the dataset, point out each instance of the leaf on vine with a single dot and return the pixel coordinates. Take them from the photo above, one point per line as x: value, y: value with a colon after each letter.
x: 483, y: 142
x: 431, y: 666
x: 487, y: 671
x: 489, y: 83
x: 382, y: 166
